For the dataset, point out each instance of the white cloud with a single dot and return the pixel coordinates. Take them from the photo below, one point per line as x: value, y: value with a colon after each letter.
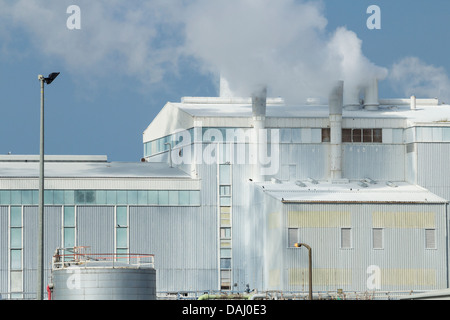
x: 411, y: 76
x: 283, y: 44
x: 115, y: 35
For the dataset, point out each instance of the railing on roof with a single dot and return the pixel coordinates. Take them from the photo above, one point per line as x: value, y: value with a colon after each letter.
x: 80, y: 256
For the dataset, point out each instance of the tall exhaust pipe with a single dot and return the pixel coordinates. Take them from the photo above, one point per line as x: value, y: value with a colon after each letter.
x: 335, y: 102
x: 351, y: 98
x: 371, y: 102
x: 259, y: 100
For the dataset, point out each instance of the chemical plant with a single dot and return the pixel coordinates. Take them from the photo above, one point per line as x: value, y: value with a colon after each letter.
x: 233, y: 195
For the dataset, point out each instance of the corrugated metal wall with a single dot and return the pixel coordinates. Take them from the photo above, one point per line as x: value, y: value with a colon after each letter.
x: 404, y: 262
x: 433, y: 170
x: 52, y: 240
x: 184, y: 242
x: 379, y: 161
x: 95, y: 228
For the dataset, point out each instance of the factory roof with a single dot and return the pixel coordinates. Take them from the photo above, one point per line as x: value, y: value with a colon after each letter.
x: 349, y: 192
x: 427, y: 110
x: 82, y: 166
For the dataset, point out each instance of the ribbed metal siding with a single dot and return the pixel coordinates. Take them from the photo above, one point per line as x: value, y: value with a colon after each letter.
x: 433, y: 170
x: 208, y: 176
x: 184, y: 242
x: 403, y: 258
x: 378, y: 161
x: 52, y: 240
x: 3, y: 249
x: 95, y: 228
x: 245, y: 222
x: 311, y: 160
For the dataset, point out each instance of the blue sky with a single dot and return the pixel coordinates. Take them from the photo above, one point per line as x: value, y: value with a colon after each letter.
x: 130, y: 57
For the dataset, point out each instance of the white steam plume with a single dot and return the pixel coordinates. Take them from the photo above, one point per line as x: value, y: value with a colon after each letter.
x: 411, y: 76
x: 282, y: 44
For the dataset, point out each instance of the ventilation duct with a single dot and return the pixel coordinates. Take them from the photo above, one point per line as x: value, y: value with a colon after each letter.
x: 371, y: 102
x: 351, y: 98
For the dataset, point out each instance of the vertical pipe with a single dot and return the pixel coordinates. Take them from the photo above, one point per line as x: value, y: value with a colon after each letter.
x: 413, y: 102
x: 310, y: 270
x: 335, y: 102
x: 40, y: 266
x: 371, y: 101
x: 259, y: 124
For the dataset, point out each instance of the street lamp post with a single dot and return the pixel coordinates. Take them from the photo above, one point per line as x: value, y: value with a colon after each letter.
x: 40, y: 264
x: 298, y: 245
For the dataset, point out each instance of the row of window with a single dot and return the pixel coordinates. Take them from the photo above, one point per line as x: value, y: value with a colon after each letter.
x: 346, y: 238
x: 356, y: 135
x: 102, y: 197
x: 16, y: 249
x: 284, y: 135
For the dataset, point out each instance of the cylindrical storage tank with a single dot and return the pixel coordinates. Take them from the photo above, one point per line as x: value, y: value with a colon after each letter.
x: 97, y: 280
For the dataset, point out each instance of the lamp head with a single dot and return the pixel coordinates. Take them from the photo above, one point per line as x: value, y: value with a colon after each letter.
x: 52, y: 76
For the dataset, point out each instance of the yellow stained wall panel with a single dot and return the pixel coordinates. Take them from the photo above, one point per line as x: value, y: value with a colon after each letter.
x: 403, y: 220
x: 318, y: 219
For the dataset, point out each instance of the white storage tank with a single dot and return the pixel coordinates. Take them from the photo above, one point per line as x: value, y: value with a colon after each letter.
x: 92, y: 277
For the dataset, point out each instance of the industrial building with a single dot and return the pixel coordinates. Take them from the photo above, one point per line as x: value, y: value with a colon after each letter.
x: 228, y: 185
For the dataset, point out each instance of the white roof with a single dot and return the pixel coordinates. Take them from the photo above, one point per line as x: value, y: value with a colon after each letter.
x: 91, y: 169
x: 352, y: 192
x: 427, y: 110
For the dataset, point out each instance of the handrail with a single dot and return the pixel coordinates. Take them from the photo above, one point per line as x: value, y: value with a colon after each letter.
x: 77, y: 256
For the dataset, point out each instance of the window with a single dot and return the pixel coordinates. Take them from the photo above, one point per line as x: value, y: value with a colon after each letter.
x: 225, y: 233
x: 367, y: 135
x: 362, y: 135
x: 356, y: 135
x: 105, y: 197
x: 346, y: 238
x: 69, y: 227
x: 346, y: 135
x: 225, y: 217
x: 225, y: 279
x: 224, y: 174
x: 377, y: 135
x: 377, y: 238
x: 225, y: 263
x: 325, y: 134
x: 16, y: 224
x: 430, y: 238
x: 292, y: 236
x: 121, y: 229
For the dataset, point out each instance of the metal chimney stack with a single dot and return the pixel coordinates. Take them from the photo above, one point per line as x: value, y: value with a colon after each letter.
x: 371, y: 102
x: 351, y: 98
x: 335, y: 102
x: 259, y: 99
